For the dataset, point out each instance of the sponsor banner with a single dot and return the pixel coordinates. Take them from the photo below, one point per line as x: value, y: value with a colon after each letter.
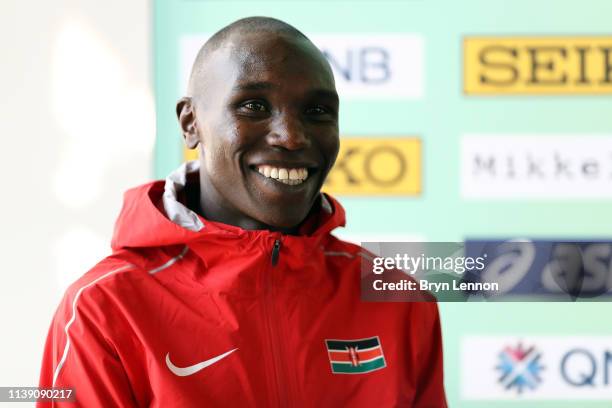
x: 555, y: 270
x: 375, y: 66
x: 376, y: 166
x: 536, y: 166
x: 536, y: 368
x: 189, y: 45
x: 366, y: 66
x: 537, y: 65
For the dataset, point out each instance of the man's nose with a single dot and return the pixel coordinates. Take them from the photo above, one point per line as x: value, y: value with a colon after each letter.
x: 287, y: 131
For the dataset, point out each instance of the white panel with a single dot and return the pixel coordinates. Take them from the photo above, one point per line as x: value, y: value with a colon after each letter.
x: 536, y: 166
x: 570, y: 367
x: 366, y: 66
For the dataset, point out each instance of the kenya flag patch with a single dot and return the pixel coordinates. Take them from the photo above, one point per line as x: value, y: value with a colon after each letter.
x: 355, y: 356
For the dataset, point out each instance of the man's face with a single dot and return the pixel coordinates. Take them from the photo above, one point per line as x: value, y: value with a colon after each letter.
x: 267, y: 123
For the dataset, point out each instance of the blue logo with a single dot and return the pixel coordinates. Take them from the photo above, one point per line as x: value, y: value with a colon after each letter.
x: 566, y: 270
x: 520, y: 368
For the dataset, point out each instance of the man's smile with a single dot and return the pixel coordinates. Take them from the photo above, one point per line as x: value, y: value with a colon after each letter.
x: 285, y: 175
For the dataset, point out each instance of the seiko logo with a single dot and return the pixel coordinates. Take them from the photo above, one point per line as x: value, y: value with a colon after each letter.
x: 538, y: 65
x: 373, y: 166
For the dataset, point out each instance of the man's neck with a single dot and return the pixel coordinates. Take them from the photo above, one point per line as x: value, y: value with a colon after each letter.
x: 206, y: 205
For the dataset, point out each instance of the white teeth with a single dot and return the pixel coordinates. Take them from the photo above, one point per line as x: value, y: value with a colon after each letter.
x: 291, y: 182
x: 292, y: 177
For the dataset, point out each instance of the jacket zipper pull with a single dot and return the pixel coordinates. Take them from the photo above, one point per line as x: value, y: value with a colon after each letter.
x: 275, y: 252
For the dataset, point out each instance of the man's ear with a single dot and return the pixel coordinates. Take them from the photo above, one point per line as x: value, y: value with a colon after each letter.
x: 185, y: 113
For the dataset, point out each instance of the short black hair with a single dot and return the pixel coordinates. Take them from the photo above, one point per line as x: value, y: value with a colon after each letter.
x: 248, y: 25
x: 252, y: 25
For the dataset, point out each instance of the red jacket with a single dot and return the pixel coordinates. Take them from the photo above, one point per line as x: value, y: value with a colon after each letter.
x: 192, y: 313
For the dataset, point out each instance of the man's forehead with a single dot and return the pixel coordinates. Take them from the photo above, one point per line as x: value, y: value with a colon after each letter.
x: 263, y: 59
x: 253, y: 48
x: 260, y: 56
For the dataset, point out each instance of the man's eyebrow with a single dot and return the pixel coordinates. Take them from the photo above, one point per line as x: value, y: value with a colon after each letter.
x: 264, y: 85
x: 253, y: 86
x: 326, y: 94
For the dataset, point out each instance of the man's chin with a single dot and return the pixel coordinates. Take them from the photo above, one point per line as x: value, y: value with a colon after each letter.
x: 283, y: 219
x: 286, y: 223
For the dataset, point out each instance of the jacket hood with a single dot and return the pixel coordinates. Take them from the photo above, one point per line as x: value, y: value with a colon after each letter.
x: 155, y: 215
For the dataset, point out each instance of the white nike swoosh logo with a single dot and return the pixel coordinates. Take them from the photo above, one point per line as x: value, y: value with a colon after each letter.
x: 184, y: 371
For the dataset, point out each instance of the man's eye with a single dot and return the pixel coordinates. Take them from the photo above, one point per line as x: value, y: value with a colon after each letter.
x: 317, y: 110
x: 255, y: 106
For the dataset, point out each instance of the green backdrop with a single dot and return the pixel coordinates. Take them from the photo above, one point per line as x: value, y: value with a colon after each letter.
x: 440, y: 117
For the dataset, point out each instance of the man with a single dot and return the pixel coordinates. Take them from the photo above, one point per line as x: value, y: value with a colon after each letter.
x: 225, y: 287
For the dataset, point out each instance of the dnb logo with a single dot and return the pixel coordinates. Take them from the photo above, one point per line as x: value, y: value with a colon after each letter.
x: 519, y: 368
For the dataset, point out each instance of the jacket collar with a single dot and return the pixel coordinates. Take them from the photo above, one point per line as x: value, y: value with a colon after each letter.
x: 180, y: 214
x: 156, y: 215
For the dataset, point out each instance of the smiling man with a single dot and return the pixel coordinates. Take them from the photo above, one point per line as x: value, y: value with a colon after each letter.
x: 226, y: 287
x: 263, y: 109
